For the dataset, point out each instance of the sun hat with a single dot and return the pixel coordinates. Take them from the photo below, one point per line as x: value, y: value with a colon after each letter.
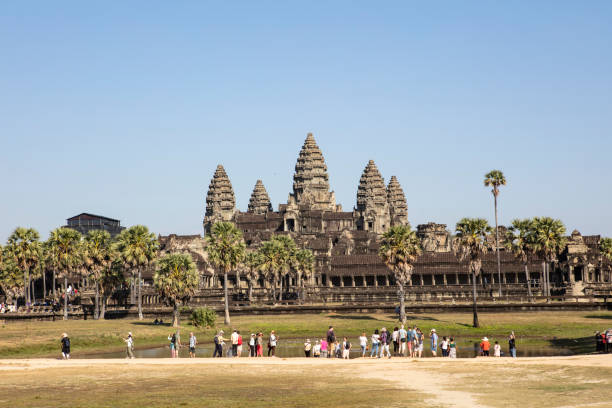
x: 129, y: 333
x: 485, y: 338
x: 64, y: 335
x: 433, y: 330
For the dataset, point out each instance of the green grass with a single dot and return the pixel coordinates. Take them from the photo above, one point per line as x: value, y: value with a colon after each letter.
x: 564, y: 330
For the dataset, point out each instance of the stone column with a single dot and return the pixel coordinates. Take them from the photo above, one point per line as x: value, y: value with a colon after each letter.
x: 422, y: 280
x: 386, y: 280
x: 352, y: 281
x: 433, y: 279
x: 365, y: 282
x: 376, y: 280
x: 456, y: 278
x: 504, y: 277
x: 445, y: 280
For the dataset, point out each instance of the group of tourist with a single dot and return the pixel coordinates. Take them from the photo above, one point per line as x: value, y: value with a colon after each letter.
x: 603, y: 341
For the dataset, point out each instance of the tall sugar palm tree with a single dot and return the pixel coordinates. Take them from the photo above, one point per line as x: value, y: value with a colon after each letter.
x: 269, y: 260
x: 24, y: 245
x: 137, y: 248
x: 11, y: 278
x: 176, y: 279
x: 549, y: 240
x: 304, y: 264
x: 225, y: 247
x: 287, y: 251
x: 519, y: 240
x: 52, y: 257
x: 605, y: 250
x: 98, y: 257
x: 496, y: 179
x: 471, y: 244
x: 110, y: 279
x: 399, y: 249
x: 67, y: 244
x: 251, y: 264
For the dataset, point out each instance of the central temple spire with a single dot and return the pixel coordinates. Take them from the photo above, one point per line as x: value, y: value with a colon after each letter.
x: 310, y: 180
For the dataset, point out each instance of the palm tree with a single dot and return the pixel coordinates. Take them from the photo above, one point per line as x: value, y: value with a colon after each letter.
x: 98, y: 257
x: 176, y: 279
x: 399, y: 249
x: 110, y: 279
x: 268, y: 261
x: 52, y: 256
x: 495, y: 179
x: 24, y: 245
x: 66, y: 243
x: 549, y: 241
x: 225, y: 248
x: 605, y: 250
x: 304, y: 265
x: 519, y: 240
x: 286, y: 255
x: 251, y: 263
x: 137, y: 248
x: 11, y: 278
x: 471, y: 244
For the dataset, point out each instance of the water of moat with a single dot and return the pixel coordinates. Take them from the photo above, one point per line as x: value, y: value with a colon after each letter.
x: 295, y: 348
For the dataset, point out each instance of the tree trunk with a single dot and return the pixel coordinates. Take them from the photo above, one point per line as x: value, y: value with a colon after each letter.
x: 401, y: 295
x: 528, y: 283
x: 237, y: 285
x: 33, y: 293
x: 53, y: 283
x: 547, y: 281
x: 103, y: 308
x: 250, y: 291
x: 132, y: 290
x: 26, y: 286
x: 175, y: 315
x: 97, y: 301
x: 227, y: 316
x: 65, y: 298
x: 140, y: 294
x: 474, y: 307
x: 299, y: 288
x: 44, y: 285
x: 280, y: 290
x: 497, y: 249
x: 274, y: 301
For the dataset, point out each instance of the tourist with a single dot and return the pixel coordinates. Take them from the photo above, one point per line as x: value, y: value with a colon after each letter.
x: 416, y: 340
x: 316, y: 349
x: 433, y: 342
x: 239, y: 347
x: 219, y: 341
x: 375, y: 341
x: 420, y: 338
x: 272, y: 341
x: 252, y: 342
x: 599, y: 342
x: 444, y: 347
x: 346, y: 348
x: 259, y: 344
x: 129, y: 342
x: 363, y: 343
x: 331, y: 338
x: 395, y: 339
x: 192, y: 344
x: 485, y: 346
x: 307, y: 347
x: 234, y: 341
x: 324, y: 348
x: 410, y: 342
x: 512, y: 345
x: 175, y: 344
x: 402, y: 337
x: 337, y: 349
x: 452, y: 348
x: 608, y: 340
x: 496, y: 349
x: 65, y: 346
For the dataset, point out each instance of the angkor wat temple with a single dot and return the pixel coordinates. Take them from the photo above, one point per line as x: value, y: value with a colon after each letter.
x: 345, y: 243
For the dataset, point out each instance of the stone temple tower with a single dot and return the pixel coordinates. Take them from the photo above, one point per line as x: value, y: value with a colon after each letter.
x: 372, y: 205
x: 398, y: 209
x: 220, y: 200
x: 310, y: 181
x: 259, y: 202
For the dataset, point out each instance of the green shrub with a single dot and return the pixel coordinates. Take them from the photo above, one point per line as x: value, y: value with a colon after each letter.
x: 203, y: 317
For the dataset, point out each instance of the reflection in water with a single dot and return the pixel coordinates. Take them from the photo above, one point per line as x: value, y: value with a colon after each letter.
x: 294, y: 348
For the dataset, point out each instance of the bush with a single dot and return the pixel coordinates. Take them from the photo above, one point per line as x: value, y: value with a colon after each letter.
x: 203, y: 317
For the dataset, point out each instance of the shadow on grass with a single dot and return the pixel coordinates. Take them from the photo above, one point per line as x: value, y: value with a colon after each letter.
x: 352, y: 317
x: 580, y: 345
x: 152, y: 324
x: 598, y: 316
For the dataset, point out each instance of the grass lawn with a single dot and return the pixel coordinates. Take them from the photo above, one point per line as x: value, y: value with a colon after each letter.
x: 568, y: 330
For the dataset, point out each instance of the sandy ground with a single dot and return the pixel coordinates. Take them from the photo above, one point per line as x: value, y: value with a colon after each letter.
x: 423, y: 375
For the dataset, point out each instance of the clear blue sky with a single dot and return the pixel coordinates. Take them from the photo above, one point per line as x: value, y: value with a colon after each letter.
x: 125, y: 108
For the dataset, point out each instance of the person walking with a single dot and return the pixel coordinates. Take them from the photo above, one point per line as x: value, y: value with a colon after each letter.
x: 307, y: 347
x: 512, y: 345
x: 485, y: 346
x: 324, y: 348
x: 219, y: 341
x: 192, y: 344
x: 173, y: 345
x: 272, y: 341
x: 419, y: 340
x: 608, y: 340
x: 496, y: 350
x: 375, y: 342
x: 234, y: 340
x: 402, y: 338
x: 129, y: 342
x: 452, y: 347
x: 239, y: 347
x: 433, y: 342
x: 331, y: 339
x: 259, y: 344
x: 346, y: 349
x: 337, y: 349
x: 363, y: 343
x: 252, y: 342
x: 444, y: 346
x: 395, y: 338
x: 65, y: 346
x: 316, y: 349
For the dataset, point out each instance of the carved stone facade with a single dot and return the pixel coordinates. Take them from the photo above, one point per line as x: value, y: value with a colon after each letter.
x: 220, y: 200
x: 260, y: 201
x: 434, y: 237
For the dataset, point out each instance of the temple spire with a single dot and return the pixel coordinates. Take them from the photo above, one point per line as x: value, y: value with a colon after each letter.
x: 259, y: 202
x: 398, y: 209
x: 220, y: 199
x: 372, y: 200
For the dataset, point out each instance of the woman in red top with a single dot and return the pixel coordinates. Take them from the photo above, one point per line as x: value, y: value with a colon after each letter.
x: 485, y: 346
x: 239, y: 348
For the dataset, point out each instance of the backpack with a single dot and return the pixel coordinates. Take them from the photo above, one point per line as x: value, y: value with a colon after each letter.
x: 67, y: 342
x: 216, y: 339
x: 347, y: 345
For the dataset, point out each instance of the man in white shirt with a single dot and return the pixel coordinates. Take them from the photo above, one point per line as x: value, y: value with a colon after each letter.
x: 402, y: 335
x: 234, y: 340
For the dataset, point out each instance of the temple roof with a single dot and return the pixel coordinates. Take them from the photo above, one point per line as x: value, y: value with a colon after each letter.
x: 371, y: 190
x: 220, y: 196
x: 260, y: 201
x: 397, y: 202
